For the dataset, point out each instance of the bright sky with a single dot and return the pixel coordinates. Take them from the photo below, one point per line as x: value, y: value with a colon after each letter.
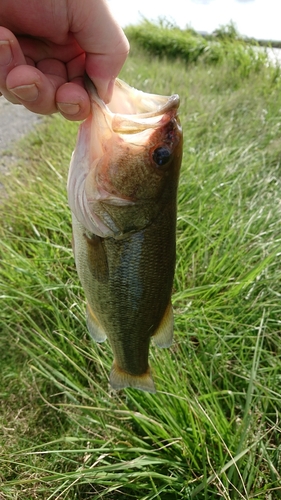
x: 254, y: 18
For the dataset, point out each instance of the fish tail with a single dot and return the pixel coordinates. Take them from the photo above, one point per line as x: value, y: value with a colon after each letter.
x: 119, y: 379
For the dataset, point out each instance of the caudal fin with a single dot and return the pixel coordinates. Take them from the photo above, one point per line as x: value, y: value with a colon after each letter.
x: 119, y: 379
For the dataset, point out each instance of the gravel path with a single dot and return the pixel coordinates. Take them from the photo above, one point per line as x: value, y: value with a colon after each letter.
x: 15, y: 122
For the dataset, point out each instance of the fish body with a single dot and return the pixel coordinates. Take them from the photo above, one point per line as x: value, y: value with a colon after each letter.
x: 122, y: 190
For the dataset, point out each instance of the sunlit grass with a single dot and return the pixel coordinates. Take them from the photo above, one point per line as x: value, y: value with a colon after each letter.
x: 212, y: 430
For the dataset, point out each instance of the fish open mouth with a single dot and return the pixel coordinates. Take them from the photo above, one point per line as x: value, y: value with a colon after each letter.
x: 132, y: 111
x: 138, y: 102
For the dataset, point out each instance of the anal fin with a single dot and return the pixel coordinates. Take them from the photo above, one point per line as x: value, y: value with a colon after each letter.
x: 119, y: 379
x: 95, y: 329
x: 163, y: 336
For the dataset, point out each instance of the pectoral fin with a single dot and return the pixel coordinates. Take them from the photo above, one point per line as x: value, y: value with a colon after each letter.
x: 95, y: 329
x: 97, y: 258
x: 163, y: 336
x: 120, y: 379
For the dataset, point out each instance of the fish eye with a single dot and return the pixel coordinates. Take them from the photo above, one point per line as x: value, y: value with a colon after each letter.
x: 161, y: 156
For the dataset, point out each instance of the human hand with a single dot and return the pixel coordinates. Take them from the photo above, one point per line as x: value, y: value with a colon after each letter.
x: 46, y: 47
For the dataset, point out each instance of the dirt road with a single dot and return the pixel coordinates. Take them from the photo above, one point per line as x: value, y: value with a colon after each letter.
x: 15, y: 122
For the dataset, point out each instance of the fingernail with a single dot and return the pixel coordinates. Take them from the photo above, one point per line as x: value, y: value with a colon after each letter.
x: 68, y: 109
x: 5, y: 53
x: 27, y: 93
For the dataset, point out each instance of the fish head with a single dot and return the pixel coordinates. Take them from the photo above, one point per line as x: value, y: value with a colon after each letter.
x: 127, y: 161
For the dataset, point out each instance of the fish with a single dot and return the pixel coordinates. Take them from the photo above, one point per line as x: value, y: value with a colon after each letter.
x: 122, y: 192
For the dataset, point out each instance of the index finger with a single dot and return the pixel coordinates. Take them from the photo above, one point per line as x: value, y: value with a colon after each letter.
x: 103, y: 40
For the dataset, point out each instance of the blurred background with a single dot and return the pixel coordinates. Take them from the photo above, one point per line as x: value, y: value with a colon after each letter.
x: 253, y: 18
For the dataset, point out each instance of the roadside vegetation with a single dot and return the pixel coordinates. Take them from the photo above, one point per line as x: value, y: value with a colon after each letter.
x: 212, y: 430
x: 225, y: 44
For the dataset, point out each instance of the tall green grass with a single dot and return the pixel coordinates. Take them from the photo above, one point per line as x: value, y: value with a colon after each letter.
x: 165, y: 39
x: 212, y: 430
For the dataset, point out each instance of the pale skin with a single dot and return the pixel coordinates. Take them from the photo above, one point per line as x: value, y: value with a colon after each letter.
x: 47, y: 45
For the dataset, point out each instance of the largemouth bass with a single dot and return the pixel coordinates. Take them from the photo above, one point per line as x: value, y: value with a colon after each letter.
x: 122, y: 190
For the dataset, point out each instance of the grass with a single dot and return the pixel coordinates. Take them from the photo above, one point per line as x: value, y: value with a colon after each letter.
x: 212, y: 430
x: 166, y: 39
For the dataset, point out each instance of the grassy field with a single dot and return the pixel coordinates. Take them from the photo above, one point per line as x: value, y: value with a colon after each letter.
x: 212, y: 430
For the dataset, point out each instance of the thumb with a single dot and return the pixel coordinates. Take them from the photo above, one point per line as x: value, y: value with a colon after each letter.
x: 103, y: 41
